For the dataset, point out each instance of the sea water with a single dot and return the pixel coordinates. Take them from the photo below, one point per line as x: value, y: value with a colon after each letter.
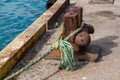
x: 16, y: 16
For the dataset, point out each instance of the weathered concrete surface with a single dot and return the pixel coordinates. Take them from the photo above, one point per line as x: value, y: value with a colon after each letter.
x: 14, y: 51
x: 106, y: 20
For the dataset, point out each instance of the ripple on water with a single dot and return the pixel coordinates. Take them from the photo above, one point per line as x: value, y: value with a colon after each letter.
x: 16, y: 16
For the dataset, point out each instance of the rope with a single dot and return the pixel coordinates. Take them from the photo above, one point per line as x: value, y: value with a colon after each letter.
x: 47, y: 53
x: 68, y: 60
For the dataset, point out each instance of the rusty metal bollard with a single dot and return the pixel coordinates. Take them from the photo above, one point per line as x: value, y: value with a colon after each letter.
x: 79, y: 11
x: 82, y: 39
x: 72, y: 21
x: 70, y: 24
x: 88, y: 28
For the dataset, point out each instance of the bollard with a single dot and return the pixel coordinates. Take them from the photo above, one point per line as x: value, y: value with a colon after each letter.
x: 81, y: 40
x: 88, y: 28
x: 79, y: 11
x: 70, y: 24
x: 72, y: 21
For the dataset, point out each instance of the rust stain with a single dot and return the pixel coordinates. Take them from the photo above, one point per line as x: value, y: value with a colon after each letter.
x: 12, y: 51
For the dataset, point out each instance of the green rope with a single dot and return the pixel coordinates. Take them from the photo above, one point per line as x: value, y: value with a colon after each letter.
x: 48, y: 52
x: 29, y: 65
x: 68, y: 60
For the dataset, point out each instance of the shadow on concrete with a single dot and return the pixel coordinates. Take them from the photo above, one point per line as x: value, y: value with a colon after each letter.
x: 38, y: 46
x: 31, y: 54
x: 106, y: 44
x: 52, y: 74
x: 57, y: 21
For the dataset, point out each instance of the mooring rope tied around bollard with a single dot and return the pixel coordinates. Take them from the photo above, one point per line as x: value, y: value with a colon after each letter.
x: 68, y: 65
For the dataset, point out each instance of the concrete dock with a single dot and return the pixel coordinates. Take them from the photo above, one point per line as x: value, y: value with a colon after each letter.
x: 106, y: 20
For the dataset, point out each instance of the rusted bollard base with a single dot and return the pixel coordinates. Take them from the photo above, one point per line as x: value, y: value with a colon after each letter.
x: 92, y: 54
x: 101, y: 1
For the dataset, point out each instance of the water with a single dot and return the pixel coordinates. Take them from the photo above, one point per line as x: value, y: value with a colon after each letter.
x: 16, y: 16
